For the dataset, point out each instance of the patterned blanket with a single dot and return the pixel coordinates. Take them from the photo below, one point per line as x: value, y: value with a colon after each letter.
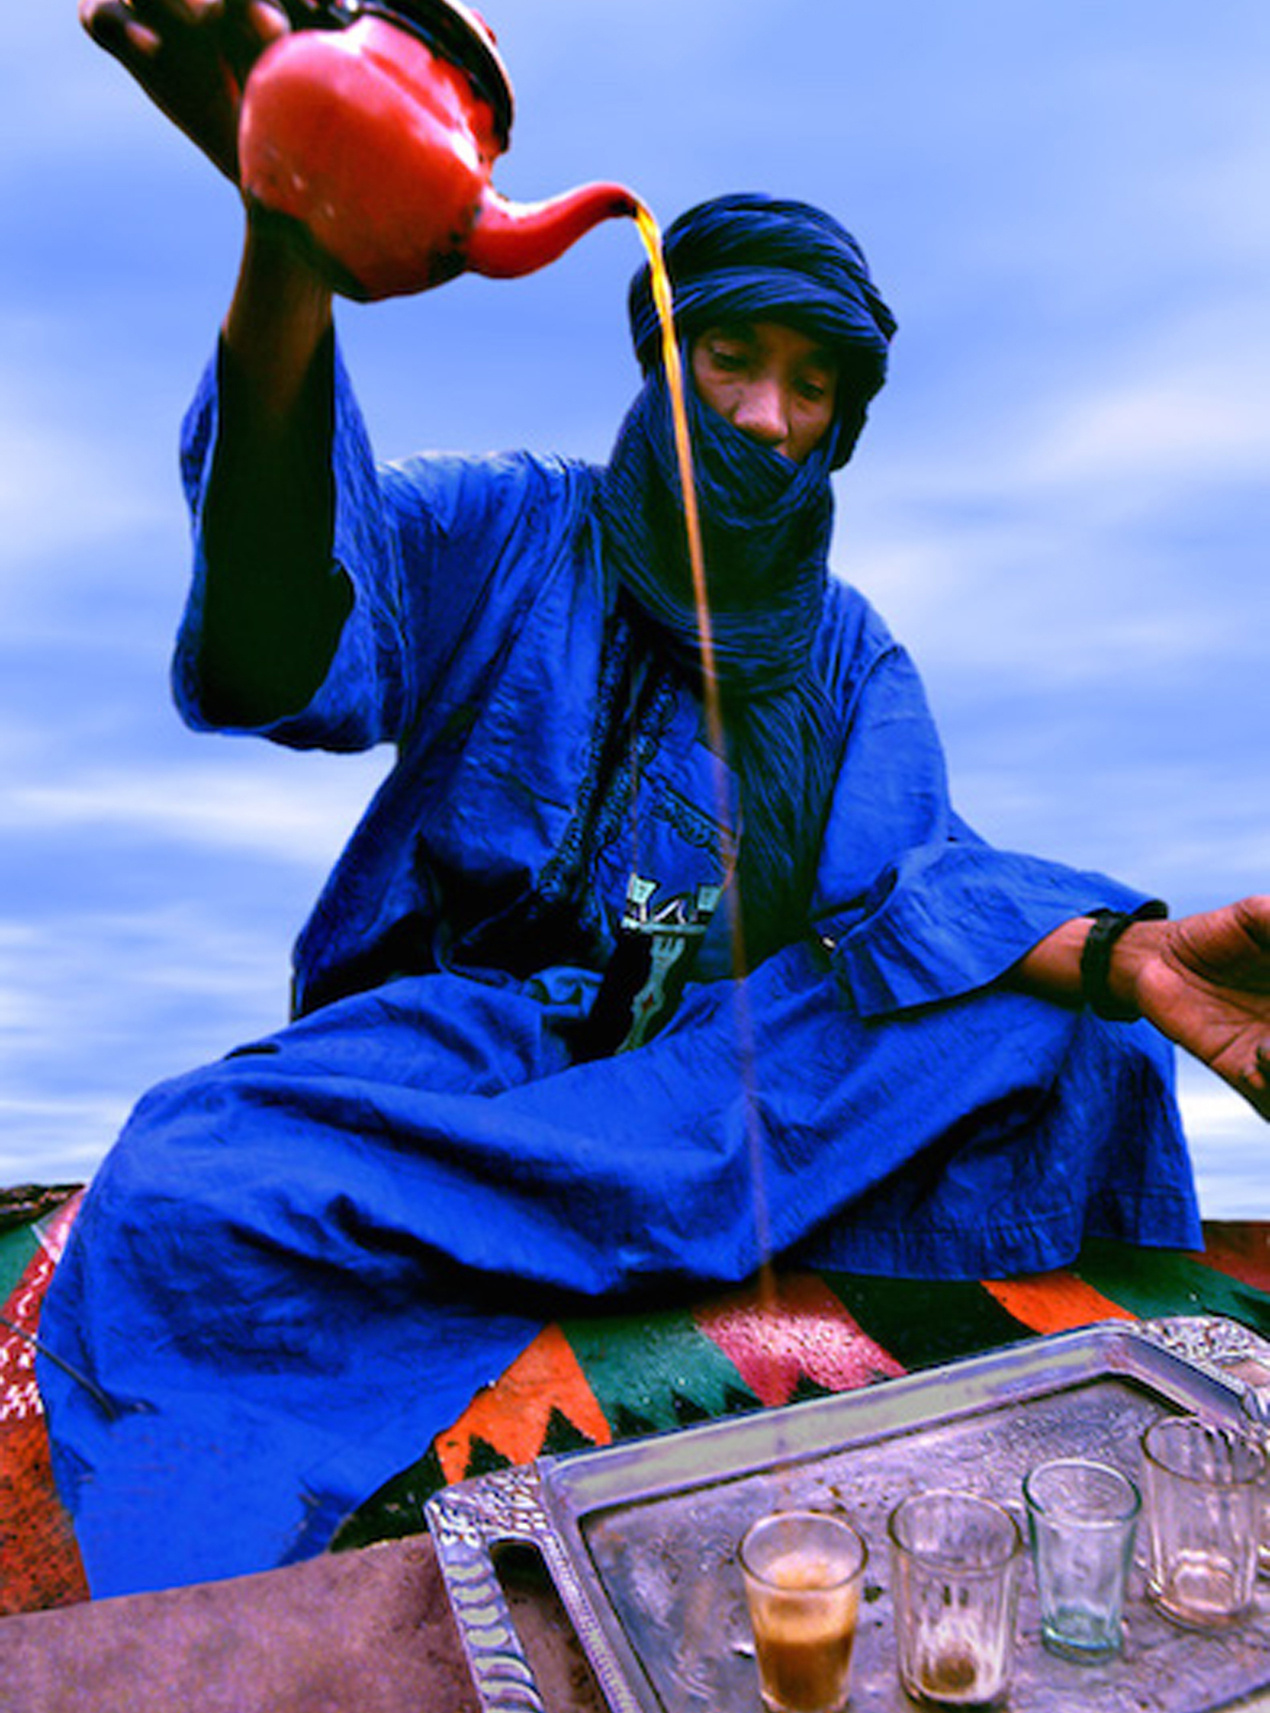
x: 39, y: 1563
x: 592, y: 1381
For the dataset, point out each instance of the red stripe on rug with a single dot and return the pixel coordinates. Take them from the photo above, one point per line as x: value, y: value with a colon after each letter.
x: 798, y: 1328
x: 39, y: 1561
x: 1054, y: 1302
x: 1240, y: 1249
x: 512, y: 1415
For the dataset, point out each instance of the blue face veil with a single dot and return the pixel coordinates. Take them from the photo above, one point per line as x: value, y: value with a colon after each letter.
x: 766, y: 522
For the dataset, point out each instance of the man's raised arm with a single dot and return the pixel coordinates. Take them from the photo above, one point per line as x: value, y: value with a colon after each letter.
x: 274, y: 609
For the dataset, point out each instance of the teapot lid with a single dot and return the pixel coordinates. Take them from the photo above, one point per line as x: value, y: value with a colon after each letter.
x: 454, y: 30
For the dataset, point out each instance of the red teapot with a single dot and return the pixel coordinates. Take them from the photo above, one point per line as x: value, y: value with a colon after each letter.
x: 375, y: 128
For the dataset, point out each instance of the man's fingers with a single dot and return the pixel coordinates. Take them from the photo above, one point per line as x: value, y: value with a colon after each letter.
x: 267, y: 20
x: 113, y: 26
x: 261, y: 21
x: 183, y: 12
x: 1255, y: 1084
x: 141, y: 25
x: 130, y: 27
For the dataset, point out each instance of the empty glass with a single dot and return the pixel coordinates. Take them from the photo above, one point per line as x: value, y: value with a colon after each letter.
x: 955, y: 1561
x: 1257, y: 1407
x: 1203, y: 1484
x: 1081, y: 1517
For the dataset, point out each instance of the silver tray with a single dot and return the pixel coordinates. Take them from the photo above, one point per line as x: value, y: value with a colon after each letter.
x: 639, y: 1539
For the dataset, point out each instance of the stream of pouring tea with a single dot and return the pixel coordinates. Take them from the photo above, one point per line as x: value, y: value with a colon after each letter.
x: 650, y: 232
x: 699, y: 1626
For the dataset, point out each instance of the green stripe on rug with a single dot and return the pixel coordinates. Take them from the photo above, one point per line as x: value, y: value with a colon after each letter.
x: 1152, y: 1282
x: 923, y: 1322
x: 656, y: 1371
x: 16, y: 1250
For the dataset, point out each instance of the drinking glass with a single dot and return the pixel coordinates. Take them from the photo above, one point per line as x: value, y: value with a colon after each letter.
x: 1203, y: 1484
x: 955, y: 1583
x: 1082, y: 1517
x: 803, y: 1571
x: 1257, y: 1407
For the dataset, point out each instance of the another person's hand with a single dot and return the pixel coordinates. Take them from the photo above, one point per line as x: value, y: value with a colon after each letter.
x: 1204, y: 981
x: 191, y: 57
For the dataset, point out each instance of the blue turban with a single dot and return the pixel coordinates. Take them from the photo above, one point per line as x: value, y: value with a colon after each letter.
x: 750, y: 257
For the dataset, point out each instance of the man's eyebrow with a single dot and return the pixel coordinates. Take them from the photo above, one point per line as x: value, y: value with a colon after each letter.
x: 738, y: 329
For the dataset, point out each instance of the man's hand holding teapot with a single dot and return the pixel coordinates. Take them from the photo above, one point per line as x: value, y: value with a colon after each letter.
x: 191, y: 57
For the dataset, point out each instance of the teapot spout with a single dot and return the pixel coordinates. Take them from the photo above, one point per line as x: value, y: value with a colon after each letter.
x: 512, y: 238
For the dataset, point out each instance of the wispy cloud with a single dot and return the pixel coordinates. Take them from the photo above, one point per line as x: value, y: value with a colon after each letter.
x: 256, y: 805
x: 1083, y: 529
x: 62, y: 491
x: 1228, y: 1143
x: 100, y: 1004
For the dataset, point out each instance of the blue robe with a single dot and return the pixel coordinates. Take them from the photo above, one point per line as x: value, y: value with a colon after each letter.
x: 297, y: 1265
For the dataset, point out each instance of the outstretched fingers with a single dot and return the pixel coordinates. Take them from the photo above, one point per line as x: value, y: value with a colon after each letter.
x: 1259, y: 1082
x: 191, y: 57
x: 114, y: 25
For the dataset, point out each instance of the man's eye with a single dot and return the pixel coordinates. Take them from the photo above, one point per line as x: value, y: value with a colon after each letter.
x: 813, y: 390
x: 725, y: 357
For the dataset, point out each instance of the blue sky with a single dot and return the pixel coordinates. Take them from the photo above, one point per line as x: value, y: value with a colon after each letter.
x: 1061, y: 501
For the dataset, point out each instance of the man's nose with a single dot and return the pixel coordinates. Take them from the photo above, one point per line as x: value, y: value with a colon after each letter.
x: 761, y: 413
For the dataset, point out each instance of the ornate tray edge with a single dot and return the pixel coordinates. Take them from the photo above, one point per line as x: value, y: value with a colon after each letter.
x: 540, y: 1505
x: 468, y: 1522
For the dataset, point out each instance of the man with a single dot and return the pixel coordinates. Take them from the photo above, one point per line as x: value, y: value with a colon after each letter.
x: 596, y: 1003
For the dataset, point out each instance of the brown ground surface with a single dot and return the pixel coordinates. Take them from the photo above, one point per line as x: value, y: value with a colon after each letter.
x: 360, y: 1632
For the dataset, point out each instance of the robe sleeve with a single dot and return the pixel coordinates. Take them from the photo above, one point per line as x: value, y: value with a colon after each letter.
x: 912, y: 905
x: 359, y: 703
x: 438, y: 550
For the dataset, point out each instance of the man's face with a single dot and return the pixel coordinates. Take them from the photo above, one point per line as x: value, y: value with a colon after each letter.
x: 773, y: 383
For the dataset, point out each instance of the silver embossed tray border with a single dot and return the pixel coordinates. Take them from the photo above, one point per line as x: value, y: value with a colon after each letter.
x: 1194, y: 1362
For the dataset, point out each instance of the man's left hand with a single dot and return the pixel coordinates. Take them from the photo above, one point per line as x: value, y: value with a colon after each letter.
x: 1204, y: 981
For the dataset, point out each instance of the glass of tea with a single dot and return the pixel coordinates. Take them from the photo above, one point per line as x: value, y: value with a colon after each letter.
x: 955, y: 1563
x: 803, y: 1571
